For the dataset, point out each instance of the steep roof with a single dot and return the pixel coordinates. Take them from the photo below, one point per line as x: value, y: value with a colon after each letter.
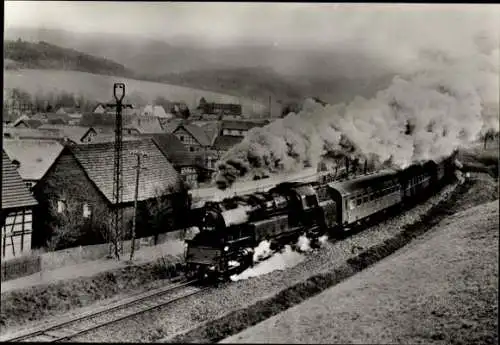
x: 14, y: 191
x: 74, y: 133
x: 110, y: 138
x: 33, y: 123
x: 212, y: 130
x: 174, y: 150
x: 170, y: 125
x: 35, y: 156
x: 146, y: 125
x: 241, y: 125
x: 197, y: 132
x: 225, y: 142
x: 155, y: 110
x: 27, y: 133
x: 157, y: 175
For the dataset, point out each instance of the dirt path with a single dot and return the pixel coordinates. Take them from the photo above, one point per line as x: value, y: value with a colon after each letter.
x: 442, y: 288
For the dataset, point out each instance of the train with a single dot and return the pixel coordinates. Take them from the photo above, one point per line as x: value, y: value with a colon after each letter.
x: 231, y: 229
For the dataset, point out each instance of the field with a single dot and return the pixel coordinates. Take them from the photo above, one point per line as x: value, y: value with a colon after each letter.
x: 100, y: 87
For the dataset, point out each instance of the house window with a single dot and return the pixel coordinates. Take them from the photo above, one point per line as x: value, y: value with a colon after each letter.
x: 181, y: 138
x: 61, y: 206
x: 86, y: 210
x: 191, y: 148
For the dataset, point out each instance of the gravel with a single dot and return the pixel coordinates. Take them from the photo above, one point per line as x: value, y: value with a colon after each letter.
x: 214, y: 303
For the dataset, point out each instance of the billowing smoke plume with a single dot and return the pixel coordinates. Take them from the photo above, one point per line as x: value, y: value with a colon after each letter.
x: 262, y: 251
x: 323, y: 240
x: 279, y: 261
x: 304, y: 244
x: 448, y: 102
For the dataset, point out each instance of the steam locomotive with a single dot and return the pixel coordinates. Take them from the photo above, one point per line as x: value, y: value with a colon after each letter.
x: 232, y: 228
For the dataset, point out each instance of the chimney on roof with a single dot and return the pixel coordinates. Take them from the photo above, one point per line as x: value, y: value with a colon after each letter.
x: 16, y: 163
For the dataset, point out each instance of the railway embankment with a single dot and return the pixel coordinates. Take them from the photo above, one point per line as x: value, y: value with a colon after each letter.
x: 42, y: 303
x: 406, y: 228
x: 442, y: 288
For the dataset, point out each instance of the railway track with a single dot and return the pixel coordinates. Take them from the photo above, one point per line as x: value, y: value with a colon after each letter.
x: 133, y: 306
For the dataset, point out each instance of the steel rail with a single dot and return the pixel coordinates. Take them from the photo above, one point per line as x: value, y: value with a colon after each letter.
x: 150, y: 300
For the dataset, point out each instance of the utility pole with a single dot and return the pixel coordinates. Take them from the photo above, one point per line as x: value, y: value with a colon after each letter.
x: 138, y: 154
x: 119, y: 94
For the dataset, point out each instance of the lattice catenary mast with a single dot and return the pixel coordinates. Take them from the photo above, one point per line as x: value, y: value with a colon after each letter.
x: 119, y: 94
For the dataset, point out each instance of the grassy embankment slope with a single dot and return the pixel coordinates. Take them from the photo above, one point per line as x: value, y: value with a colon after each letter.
x: 441, y: 288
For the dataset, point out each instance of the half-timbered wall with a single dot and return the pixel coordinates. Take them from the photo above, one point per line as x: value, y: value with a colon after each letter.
x: 16, y: 233
x: 188, y: 140
x: 190, y: 175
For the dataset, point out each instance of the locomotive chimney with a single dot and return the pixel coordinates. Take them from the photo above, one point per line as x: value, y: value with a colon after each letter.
x: 366, y: 166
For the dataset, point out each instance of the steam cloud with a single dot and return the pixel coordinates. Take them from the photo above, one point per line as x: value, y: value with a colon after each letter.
x: 448, y: 102
x: 304, y: 244
x: 262, y: 251
x: 279, y: 261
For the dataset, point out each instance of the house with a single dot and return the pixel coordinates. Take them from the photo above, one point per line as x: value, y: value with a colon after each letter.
x: 17, y: 212
x: 220, y: 108
x: 110, y: 109
x: 239, y: 128
x: 80, y: 184
x: 179, y: 109
x: 76, y: 134
x: 26, y: 122
x: 223, y: 143
x: 55, y: 118
x: 109, y: 137
x: 144, y: 125
x: 186, y: 163
x: 30, y: 133
x: 73, y: 115
x: 155, y: 110
x: 193, y: 137
x: 33, y: 157
x: 170, y: 125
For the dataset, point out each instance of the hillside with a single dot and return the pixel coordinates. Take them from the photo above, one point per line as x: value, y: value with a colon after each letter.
x: 100, y: 88
x: 157, y: 56
x: 42, y: 55
x: 260, y: 83
x: 256, y: 71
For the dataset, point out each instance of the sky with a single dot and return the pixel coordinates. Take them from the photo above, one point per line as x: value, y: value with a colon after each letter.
x: 278, y: 23
x: 392, y: 34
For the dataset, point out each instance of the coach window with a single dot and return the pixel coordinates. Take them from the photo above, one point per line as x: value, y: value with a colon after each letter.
x: 366, y: 199
x: 358, y: 201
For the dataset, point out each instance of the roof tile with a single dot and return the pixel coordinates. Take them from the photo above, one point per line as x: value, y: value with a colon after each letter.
x: 157, y: 174
x: 35, y: 156
x: 14, y: 191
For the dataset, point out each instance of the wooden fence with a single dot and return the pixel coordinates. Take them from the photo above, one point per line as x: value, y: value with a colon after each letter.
x: 19, y: 267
